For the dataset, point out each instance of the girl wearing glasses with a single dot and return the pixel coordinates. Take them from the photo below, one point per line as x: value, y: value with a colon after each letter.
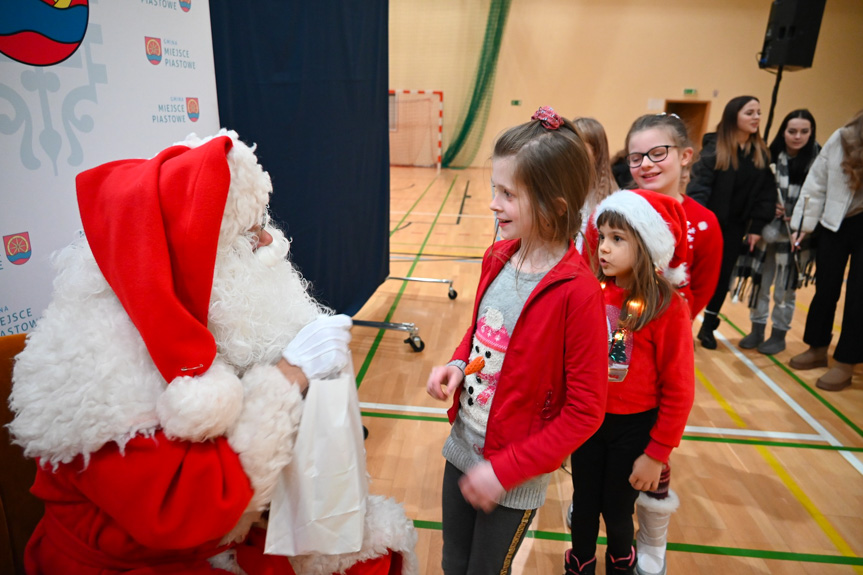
x: 733, y: 179
x: 659, y: 158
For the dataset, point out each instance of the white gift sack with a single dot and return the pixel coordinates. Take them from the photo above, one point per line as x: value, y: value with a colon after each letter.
x: 319, y: 503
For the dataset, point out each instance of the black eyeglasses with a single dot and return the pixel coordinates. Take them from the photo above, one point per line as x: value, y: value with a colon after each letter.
x: 655, y: 154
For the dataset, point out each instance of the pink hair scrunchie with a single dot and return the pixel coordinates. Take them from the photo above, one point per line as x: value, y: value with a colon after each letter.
x: 549, y: 118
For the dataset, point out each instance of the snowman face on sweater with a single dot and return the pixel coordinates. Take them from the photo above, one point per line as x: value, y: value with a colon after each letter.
x: 483, y: 370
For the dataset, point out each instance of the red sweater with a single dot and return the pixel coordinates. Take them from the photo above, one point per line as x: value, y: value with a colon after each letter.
x: 552, y: 389
x: 661, y: 371
x: 705, y: 254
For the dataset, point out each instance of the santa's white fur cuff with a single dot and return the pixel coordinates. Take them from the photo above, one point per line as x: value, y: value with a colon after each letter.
x: 202, y: 407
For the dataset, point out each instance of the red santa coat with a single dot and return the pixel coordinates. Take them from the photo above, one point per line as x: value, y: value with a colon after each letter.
x: 161, y: 507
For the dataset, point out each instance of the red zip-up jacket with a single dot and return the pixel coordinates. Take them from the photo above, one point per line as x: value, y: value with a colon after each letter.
x: 553, y: 384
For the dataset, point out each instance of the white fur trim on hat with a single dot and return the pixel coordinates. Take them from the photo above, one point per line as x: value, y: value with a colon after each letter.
x: 677, y: 276
x: 645, y: 220
x: 201, y: 407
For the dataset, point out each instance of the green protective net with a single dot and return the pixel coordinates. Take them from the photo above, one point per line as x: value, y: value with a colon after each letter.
x: 471, y: 124
x: 451, y: 46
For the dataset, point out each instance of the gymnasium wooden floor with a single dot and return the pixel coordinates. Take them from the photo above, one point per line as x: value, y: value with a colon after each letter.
x: 769, y: 473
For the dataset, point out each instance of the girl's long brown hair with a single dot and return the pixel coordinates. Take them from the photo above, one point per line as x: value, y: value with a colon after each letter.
x: 726, y: 140
x: 852, y: 145
x: 593, y: 134
x: 647, y: 288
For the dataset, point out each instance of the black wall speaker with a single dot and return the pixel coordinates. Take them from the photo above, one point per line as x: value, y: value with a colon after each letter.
x: 792, y: 32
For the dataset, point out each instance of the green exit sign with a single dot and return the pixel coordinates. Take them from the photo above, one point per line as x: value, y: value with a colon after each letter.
x: 690, y: 91
x: 515, y: 102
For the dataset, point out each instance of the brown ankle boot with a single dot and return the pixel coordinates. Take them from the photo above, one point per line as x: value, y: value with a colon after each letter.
x: 810, y: 359
x: 837, y: 377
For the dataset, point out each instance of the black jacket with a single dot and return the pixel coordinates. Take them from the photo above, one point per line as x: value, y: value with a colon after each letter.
x: 743, y: 198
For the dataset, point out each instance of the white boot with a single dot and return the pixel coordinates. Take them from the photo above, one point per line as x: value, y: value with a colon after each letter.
x: 652, y: 536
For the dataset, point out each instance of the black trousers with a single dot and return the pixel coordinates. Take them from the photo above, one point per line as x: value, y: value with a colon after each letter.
x: 600, y: 483
x: 831, y: 259
x: 476, y: 542
x: 732, y: 238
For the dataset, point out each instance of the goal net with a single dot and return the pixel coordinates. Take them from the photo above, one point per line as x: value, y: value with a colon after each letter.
x: 416, y: 127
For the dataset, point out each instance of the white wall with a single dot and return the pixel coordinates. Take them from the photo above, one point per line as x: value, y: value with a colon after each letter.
x: 106, y: 102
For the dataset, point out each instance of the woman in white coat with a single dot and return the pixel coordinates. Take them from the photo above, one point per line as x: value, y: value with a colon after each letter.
x: 833, y: 197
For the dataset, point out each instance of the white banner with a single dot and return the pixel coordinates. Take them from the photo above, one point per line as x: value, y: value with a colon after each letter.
x: 83, y: 83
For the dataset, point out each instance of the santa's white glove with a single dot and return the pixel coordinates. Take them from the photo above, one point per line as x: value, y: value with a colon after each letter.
x: 321, y: 348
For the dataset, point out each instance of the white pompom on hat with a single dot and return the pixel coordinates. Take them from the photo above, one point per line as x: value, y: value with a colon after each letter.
x: 661, y: 223
x: 154, y: 227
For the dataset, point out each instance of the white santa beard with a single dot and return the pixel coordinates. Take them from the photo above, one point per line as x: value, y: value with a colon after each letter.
x: 259, y: 301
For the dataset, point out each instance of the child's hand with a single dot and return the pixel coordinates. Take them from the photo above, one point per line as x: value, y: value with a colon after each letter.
x: 645, y: 473
x: 443, y: 380
x: 481, y: 488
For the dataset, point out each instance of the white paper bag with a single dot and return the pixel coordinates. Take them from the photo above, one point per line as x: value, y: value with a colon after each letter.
x: 319, y: 504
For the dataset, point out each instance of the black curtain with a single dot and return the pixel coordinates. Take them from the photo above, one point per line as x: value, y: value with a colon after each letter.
x: 307, y: 82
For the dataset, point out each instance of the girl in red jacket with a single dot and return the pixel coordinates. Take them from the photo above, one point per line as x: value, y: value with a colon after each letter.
x: 529, y: 381
x: 641, y: 257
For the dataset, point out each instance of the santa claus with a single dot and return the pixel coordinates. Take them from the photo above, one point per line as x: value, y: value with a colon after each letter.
x: 162, y: 390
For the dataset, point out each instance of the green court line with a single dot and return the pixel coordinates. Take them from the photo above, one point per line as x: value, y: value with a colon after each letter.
x: 407, y: 213
x: 709, y: 439
x: 805, y: 385
x: 691, y: 548
x: 404, y: 416
x: 376, y: 343
x: 769, y: 443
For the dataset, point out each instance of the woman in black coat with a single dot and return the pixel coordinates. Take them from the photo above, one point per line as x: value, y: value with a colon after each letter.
x: 733, y: 179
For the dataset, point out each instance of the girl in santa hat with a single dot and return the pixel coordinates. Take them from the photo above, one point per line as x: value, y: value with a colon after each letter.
x: 534, y: 354
x: 640, y: 259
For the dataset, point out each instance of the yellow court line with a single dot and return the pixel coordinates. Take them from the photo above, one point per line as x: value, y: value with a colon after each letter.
x: 819, y: 518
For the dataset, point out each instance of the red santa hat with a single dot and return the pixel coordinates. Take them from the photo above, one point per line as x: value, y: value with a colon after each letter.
x: 154, y: 228
x: 661, y: 223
